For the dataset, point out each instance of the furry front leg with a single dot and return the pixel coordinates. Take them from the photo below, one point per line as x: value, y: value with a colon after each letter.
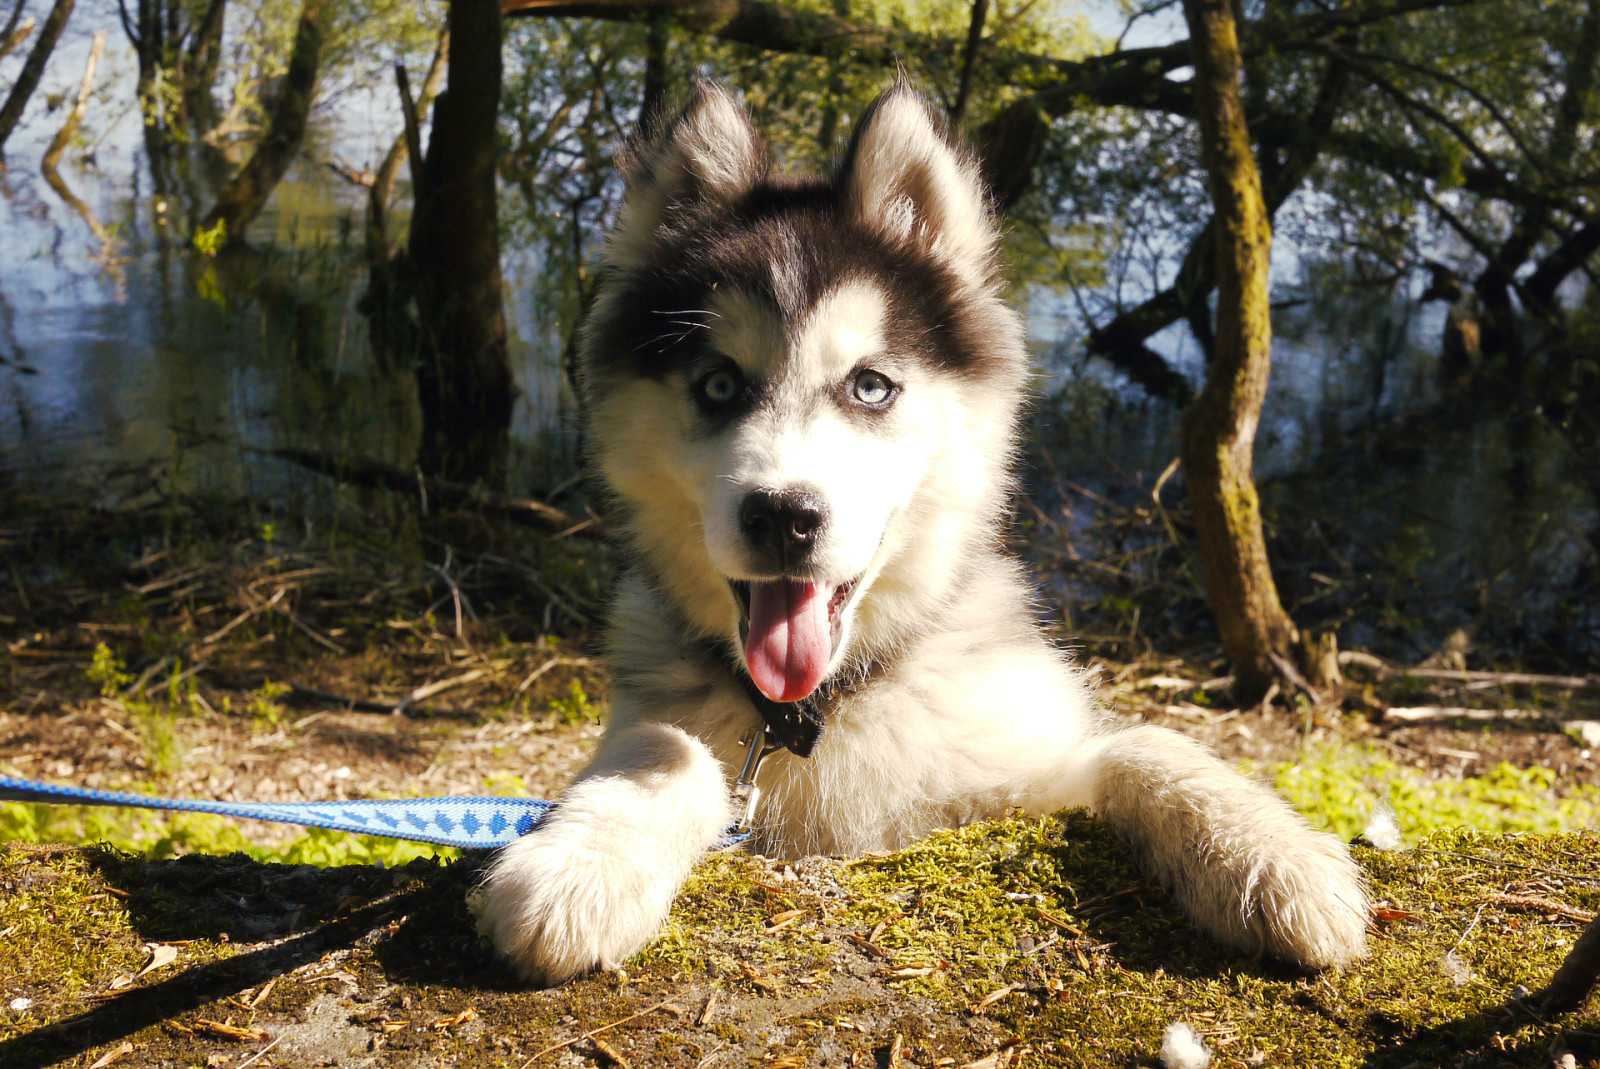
x: 590, y: 886
x: 1242, y: 863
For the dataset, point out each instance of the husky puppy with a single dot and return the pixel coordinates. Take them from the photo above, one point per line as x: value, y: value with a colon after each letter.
x: 804, y: 395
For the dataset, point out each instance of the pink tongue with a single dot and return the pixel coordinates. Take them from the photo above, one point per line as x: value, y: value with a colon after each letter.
x: 790, y: 642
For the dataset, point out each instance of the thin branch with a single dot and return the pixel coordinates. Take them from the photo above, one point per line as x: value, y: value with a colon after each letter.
x: 1450, y: 79
x: 969, y: 59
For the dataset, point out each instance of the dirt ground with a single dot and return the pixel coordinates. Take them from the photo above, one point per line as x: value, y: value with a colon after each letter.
x: 255, y: 666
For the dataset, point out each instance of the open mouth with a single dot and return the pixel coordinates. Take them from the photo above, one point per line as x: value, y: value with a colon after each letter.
x: 790, y: 629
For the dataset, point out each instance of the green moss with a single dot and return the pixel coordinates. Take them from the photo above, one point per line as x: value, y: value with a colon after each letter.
x: 1339, y: 788
x: 969, y: 897
x: 1098, y: 976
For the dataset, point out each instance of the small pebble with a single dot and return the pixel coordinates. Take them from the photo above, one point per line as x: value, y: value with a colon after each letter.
x: 20, y: 1004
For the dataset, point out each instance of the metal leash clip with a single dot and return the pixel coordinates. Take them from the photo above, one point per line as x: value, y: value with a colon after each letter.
x: 745, y: 791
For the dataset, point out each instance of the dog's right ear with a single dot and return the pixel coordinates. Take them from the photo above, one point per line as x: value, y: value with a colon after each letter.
x: 708, y: 154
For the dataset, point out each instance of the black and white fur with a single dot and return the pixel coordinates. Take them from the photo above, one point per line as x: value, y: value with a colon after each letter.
x: 945, y: 703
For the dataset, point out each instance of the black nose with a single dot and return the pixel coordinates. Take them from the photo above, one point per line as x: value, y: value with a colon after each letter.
x: 783, y: 524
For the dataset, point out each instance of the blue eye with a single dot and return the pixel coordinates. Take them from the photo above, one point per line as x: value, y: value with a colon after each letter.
x: 872, y: 389
x: 719, y: 387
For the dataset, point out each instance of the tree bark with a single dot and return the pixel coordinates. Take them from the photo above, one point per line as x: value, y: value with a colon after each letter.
x: 464, y: 380
x: 1219, y: 426
x: 247, y: 194
x: 1575, y: 980
x: 33, y: 70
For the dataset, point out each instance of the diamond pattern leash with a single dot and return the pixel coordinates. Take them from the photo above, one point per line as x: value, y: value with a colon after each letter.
x: 474, y: 822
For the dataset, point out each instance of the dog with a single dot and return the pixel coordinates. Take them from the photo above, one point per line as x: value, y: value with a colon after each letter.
x: 803, y: 397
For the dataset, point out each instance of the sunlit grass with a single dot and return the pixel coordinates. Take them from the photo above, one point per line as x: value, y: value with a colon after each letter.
x: 1340, y: 788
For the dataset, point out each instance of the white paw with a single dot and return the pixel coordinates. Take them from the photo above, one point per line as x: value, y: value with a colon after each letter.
x: 1305, y: 903
x: 554, y: 906
x: 590, y: 886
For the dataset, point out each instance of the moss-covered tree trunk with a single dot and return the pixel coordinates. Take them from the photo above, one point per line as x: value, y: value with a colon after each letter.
x: 1219, y: 426
x: 464, y: 378
x: 33, y: 69
x: 247, y: 194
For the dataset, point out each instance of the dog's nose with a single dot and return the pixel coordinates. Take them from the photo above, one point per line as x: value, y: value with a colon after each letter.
x: 784, y: 523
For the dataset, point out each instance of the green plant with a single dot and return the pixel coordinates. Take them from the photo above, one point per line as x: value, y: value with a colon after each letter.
x: 157, y: 730
x: 264, y: 705
x: 576, y: 708
x: 209, y: 242
x: 106, y: 671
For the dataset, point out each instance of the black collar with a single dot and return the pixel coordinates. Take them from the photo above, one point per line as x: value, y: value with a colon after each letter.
x: 796, y: 726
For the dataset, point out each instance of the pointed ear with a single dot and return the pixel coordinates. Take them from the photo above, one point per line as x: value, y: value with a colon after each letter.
x: 710, y: 153
x: 904, y: 175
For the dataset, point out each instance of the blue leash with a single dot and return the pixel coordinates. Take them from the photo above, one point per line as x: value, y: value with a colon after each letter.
x: 469, y: 821
x: 472, y: 822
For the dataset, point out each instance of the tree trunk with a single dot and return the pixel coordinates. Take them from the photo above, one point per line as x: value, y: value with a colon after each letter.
x: 247, y: 194
x: 391, y: 328
x: 1219, y: 426
x: 464, y: 379
x: 200, y: 67
x: 33, y: 70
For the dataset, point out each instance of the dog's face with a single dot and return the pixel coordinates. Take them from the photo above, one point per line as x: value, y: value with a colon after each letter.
x: 804, y: 391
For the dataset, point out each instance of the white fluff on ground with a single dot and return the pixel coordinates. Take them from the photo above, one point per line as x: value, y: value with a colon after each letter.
x: 1383, y: 830
x: 1182, y: 1048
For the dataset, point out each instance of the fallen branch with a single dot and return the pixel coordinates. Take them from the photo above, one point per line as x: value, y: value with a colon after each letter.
x: 1424, y: 713
x: 1464, y: 675
x: 1506, y: 678
x: 364, y: 471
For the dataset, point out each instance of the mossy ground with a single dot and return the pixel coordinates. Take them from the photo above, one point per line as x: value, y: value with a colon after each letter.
x: 361, y: 965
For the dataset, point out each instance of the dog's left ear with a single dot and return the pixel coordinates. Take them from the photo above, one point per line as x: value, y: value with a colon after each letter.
x: 904, y: 175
